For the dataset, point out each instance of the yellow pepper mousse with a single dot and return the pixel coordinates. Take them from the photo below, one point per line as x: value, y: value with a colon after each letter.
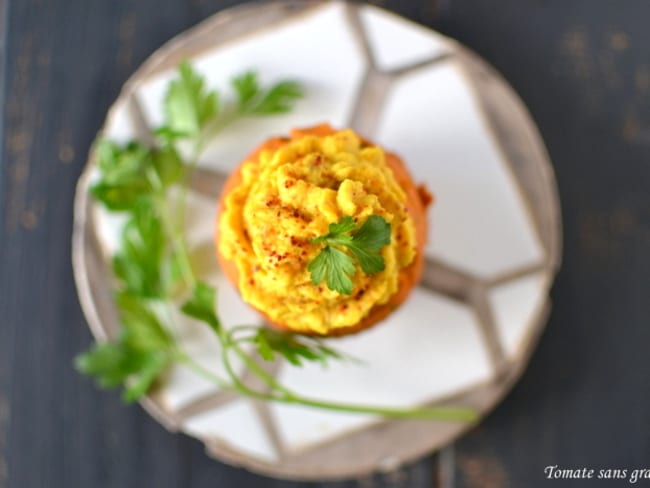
x: 286, y: 194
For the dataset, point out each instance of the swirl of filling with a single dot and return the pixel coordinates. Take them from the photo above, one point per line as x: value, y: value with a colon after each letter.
x: 287, y: 194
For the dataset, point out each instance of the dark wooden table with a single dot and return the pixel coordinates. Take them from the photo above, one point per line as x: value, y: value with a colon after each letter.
x: 582, y: 67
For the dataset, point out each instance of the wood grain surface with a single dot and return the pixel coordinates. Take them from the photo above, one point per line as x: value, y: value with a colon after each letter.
x: 583, y: 69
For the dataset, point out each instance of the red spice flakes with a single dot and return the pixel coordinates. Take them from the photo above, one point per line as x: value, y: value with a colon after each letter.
x: 289, y: 183
x: 297, y: 242
x: 277, y: 256
x: 272, y: 202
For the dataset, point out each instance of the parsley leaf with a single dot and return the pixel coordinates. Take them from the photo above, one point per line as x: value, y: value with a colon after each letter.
x: 247, y: 87
x: 141, y: 327
x: 152, y: 364
x: 133, y: 172
x: 368, y: 241
x: 168, y: 167
x: 373, y: 234
x: 141, y: 353
x: 122, y: 183
x: 336, y: 266
x: 137, y: 263
x: 188, y: 105
x: 109, y: 362
x: 253, y: 100
x: 202, y: 305
x: 278, y: 99
x: 337, y: 229
x: 114, y: 363
x: 293, y: 347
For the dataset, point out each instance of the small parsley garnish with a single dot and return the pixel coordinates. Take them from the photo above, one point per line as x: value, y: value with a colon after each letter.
x: 336, y: 266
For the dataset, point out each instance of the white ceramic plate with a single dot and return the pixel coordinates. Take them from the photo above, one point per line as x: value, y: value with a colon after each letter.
x: 465, y: 333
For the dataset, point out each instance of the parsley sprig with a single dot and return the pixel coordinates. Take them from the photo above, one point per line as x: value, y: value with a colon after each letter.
x: 153, y: 261
x: 365, y: 243
x: 253, y: 100
x: 192, y: 111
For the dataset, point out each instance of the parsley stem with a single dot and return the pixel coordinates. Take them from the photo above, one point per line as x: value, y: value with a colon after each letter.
x: 290, y: 397
x: 259, y: 371
x: 189, y: 169
x: 446, y: 414
x: 227, y: 117
x: 239, y: 385
x: 450, y: 414
x: 178, y: 243
x: 185, y: 359
x: 198, y: 145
